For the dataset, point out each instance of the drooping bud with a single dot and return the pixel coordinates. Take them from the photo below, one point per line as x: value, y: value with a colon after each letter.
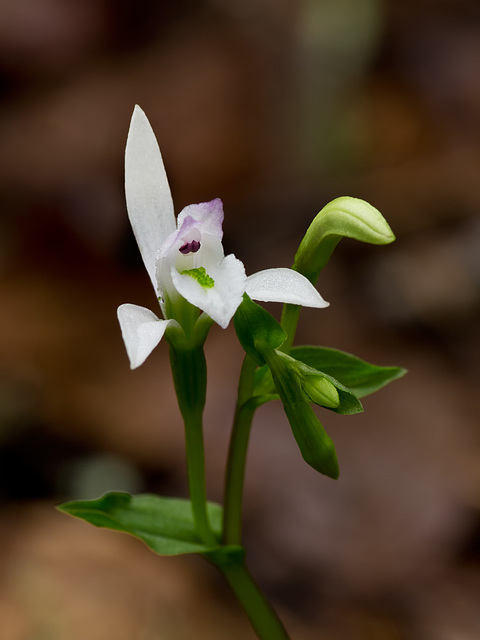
x: 343, y: 217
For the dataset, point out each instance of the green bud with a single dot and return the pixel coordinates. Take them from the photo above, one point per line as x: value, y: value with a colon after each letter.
x: 343, y: 217
x: 321, y: 391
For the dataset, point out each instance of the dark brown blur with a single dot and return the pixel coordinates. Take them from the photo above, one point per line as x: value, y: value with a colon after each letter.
x: 276, y: 107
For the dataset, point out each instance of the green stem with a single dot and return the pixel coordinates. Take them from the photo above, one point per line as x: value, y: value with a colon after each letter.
x: 189, y: 375
x: 289, y: 321
x: 263, y: 618
x: 311, y: 258
x: 234, y: 482
x: 190, y: 379
x: 237, y: 455
x: 196, y: 478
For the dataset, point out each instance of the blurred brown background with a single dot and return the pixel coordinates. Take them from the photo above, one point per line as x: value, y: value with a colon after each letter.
x: 276, y: 107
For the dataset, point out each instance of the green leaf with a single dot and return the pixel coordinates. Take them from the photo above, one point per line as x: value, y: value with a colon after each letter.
x: 343, y: 217
x: 257, y: 330
x: 359, y: 376
x: 165, y: 525
x: 316, y: 447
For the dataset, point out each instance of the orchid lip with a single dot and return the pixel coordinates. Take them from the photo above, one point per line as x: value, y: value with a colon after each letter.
x: 190, y: 247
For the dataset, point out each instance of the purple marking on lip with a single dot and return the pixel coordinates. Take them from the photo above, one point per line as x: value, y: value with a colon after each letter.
x: 190, y: 247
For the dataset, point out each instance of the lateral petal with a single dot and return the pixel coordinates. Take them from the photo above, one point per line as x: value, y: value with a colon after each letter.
x: 283, y: 285
x: 149, y: 202
x: 141, y: 331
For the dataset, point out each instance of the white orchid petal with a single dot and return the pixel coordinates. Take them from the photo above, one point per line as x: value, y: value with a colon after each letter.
x: 141, y: 332
x: 149, y: 202
x: 220, y: 301
x: 283, y: 285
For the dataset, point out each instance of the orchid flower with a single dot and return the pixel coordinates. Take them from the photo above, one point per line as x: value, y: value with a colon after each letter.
x: 184, y: 258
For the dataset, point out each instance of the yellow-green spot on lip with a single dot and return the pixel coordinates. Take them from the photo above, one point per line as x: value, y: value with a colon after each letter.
x: 201, y: 276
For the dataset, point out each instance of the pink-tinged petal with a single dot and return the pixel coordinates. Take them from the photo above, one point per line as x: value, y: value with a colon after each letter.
x: 283, y: 285
x: 149, y: 202
x: 220, y: 301
x: 141, y: 332
x: 208, y: 215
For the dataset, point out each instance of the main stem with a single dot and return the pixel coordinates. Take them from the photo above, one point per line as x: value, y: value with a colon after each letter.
x: 189, y: 375
x: 263, y: 618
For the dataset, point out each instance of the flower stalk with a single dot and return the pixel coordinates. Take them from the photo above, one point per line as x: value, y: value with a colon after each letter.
x: 190, y: 379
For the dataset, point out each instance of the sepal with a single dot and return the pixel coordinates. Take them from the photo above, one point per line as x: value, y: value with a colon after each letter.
x: 141, y: 331
x: 149, y: 202
x: 284, y: 285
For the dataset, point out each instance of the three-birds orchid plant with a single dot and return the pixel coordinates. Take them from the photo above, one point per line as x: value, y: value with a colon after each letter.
x: 196, y: 285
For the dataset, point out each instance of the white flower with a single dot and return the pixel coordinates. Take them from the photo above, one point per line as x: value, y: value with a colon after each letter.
x: 184, y: 258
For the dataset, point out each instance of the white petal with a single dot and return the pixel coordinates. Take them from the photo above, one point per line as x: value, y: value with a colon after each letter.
x: 141, y: 332
x: 283, y: 285
x: 149, y: 203
x: 222, y: 300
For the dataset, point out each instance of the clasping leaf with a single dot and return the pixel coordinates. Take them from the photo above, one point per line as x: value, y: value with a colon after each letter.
x: 257, y: 330
x: 362, y: 378
x: 165, y: 525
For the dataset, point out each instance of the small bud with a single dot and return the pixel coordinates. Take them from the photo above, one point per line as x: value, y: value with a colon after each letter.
x: 321, y: 391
